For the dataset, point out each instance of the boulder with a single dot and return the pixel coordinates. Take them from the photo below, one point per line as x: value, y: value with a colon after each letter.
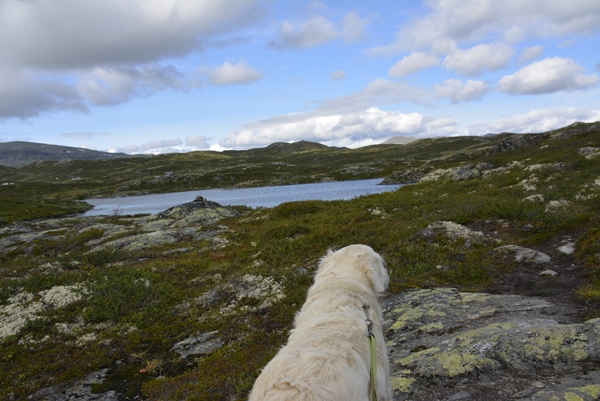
x: 443, y: 340
x: 203, y: 344
x: 522, y: 254
x: 465, y: 173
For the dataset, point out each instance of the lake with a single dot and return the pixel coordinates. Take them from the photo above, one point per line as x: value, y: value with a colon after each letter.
x: 252, y: 197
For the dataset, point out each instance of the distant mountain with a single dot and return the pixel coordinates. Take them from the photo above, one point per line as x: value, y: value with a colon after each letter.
x: 19, y: 153
x: 277, y: 148
x: 399, y: 140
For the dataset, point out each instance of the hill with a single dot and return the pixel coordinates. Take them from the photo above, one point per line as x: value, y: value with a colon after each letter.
x: 20, y: 153
x: 493, y: 256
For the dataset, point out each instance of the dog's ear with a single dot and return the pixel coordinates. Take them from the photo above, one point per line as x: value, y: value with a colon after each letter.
x: 375, y: 271
x: 381, y: 278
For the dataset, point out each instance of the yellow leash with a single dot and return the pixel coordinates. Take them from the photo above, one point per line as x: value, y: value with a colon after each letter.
x: 373, y: 351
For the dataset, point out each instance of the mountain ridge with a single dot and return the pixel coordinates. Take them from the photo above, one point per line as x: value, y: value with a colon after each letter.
x: 21, y: 153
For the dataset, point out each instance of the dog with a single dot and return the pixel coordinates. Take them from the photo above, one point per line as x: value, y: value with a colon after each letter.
x: 327, y: 357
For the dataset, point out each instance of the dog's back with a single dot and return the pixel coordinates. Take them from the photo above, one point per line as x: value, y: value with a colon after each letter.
x: 327, y: 355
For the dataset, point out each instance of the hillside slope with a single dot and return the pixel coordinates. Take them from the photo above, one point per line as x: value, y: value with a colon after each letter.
x: 20, y: 153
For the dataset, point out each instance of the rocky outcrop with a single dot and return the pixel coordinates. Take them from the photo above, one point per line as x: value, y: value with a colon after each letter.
x: 517, y: 142
x: 203, y: 344
x: 404, y: 176
x: 444, y: 341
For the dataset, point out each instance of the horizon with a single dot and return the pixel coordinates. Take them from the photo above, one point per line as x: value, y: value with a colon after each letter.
x: 149, y: 77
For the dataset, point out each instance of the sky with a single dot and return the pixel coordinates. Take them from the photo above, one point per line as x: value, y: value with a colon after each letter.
x: 163, y: 76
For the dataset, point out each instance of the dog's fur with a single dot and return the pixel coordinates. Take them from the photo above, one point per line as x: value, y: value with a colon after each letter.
x: 327, y: 356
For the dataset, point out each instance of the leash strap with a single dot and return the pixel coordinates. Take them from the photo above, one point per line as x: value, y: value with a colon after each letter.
x: 373, y: 351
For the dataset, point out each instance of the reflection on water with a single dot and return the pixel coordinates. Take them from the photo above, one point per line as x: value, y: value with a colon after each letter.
x: 253, y: 197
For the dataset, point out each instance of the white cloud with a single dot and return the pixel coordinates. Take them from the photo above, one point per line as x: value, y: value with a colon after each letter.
x: 352, y: 129
x: 104, y: 52
x: 535, y: 121
x: 337, y: 75
x: 353, y: 26
x: 105, y: 32
x: 412, y: 63
x: 309, y: 33
x: 457, y: 92
x: 229, y: 74
x: 197, y: 142
x: 530, y: 53
x: 547, y: 76
x: 317, y: 30
x: 109, y: 85
x: 478, y: 59
x: 152, y: 147
x: 451, y: 22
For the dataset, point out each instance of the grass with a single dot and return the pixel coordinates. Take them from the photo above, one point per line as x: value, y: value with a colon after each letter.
x: 138, y: 305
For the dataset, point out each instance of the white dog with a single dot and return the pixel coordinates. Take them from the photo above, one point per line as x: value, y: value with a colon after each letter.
x: 327, y: 356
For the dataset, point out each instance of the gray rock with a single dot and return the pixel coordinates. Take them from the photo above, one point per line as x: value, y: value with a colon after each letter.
x: 442, y: 337
x: 517, y: 142
x: 465, y: 173
x: 203, y: 344
x: 404, y: 176
x: 568, y: 248
x: 525, y: 254
x: 81, y: 390
x: 461, y: 395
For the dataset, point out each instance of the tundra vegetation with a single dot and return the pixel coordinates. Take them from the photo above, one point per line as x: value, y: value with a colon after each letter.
x: 192, y: 305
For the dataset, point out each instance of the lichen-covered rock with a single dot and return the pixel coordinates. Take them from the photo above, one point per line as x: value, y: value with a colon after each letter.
x: 79, y: 390
x: 404, y: 176
x: 537, y: 198
x: 442, y: 337
x: 557, y: 206
x: 522, y: 254
x: 25, y: 307
x: 248, y: 293
x: 203, y: 344
x: 465, y: 173
x: 589, y: 153
x: 200, y: 210
x: 517, y: 142
x: 452, y: 230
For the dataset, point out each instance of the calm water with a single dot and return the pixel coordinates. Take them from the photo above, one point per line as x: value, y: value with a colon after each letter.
x: 253, y: 197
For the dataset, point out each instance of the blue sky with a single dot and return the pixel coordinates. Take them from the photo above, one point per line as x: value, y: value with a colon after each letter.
x: 160, y: 76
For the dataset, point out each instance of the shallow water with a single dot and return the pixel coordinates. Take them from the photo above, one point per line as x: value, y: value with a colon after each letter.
x: 252, y: 197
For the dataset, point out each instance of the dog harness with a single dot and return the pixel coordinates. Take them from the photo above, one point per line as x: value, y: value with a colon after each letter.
x: 373, y: 351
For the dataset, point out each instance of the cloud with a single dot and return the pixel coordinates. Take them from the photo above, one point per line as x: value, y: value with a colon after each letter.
x: 86, y: 135
x: 197, y: 142
x: 477, y: 59
x: 457, y: 92
x: 229, y: 74
x: 104, y: 86
x: 317, y: 30
x: 337, y: 75
x: 24, y: 95
x: 353, y: 26
x: 535, y: 121
x: 452, y: 22
x: 412, y: 63
x: 351, y: 129
x: 547, y: 76
x: 79, y: 35
x: 530, y: 53
x: 309, y: 33
x: 152, y: 147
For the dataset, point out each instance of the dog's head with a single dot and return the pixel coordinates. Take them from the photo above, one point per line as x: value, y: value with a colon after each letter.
x: 353, y: 259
